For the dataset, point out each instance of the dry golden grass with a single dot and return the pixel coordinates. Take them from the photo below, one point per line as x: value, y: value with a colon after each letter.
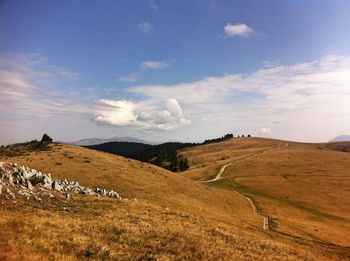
x: 107, y: 229
x: 304, y: 188
x: 132, y: 179
x: 173, y: 218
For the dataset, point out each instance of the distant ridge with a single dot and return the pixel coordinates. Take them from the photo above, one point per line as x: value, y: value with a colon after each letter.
x: 341, y: 138
x: 121, y: 148
x: 97, y: 141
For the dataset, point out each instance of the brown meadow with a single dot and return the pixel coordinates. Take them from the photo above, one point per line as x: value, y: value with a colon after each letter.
x: 303, y: 188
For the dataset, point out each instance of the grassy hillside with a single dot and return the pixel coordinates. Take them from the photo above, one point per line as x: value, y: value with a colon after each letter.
x: 303, y: 188
x: 173, y: 217
x: 342, y: 146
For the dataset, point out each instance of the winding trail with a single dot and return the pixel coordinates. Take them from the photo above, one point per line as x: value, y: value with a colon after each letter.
x: 218, y: 176
x: 251, y: 201
x: 266, y: 220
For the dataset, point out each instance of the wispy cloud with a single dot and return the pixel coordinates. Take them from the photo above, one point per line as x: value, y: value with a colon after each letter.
x: 289, y: 95
x: 153, y: 5
x: 145, y: 27
x: 129, y: 78
x: 26, y: 87
x: 241, y: 30
x: 154, y: 65
x: 26, y: 90
x: 294, y: 93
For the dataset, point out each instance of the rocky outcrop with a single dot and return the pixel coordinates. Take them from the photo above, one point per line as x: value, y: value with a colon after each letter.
x: 31, y: 183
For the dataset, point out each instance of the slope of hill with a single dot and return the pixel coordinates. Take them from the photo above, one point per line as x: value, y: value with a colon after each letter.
x: 341, y: 138
x: 301, y: 189
x: 341, y: 146
x: 173, y: 217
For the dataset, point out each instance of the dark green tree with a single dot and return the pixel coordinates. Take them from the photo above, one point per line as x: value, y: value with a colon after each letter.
x: 183, y: 164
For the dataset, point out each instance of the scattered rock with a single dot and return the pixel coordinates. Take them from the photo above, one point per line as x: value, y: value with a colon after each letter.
x: 56, y: 185
x: 10, y: 179
x: 2, y: 166
x: 31, y: 183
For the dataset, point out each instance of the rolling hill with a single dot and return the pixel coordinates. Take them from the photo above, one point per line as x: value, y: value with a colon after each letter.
x: 302, y: 188
x: 169, y: 216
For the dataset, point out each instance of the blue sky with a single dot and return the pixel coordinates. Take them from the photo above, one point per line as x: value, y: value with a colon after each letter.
x: 174, y: 70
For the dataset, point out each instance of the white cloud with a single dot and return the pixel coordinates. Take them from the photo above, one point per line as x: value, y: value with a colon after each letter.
x: 116, y: 113
x: 237, y: 30
x: 310, y: 101
x: 129, y: 78
x: 26, y: 87
x: 294, y: 94
x: 265, y: 131
x: 33, y: 99
x: 154, y: 65
x: 141, y: 115
x: 145, y: 27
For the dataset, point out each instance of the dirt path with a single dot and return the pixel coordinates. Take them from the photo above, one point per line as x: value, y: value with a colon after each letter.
x: 266, y: 219
x: 218, y: 176
x: 254, y: 206
x: 257, y: 210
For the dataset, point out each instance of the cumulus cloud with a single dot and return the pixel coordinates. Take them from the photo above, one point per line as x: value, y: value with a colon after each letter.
x: 154, y: 65
x: 145, y: 27
x: 122, y: 113
x: 116, y: 113
x: 237, y: 30
x: 129, y: 78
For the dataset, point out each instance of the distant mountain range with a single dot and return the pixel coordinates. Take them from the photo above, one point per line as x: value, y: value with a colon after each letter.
x: 97, y: 141
x: 341, y: 138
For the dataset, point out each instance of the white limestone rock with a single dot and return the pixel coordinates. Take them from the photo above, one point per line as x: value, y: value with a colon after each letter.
x: 29, y: 185
x: 23, y: 179
x: 56, y: 185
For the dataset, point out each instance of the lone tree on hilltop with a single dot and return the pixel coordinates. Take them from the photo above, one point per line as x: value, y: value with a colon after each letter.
x: 46, y: 138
